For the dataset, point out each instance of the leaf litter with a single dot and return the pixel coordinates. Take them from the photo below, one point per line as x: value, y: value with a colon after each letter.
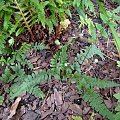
x: 63, y: 101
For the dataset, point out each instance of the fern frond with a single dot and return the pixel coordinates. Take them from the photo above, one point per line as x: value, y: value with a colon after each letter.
x: 1, y: 100
x: 92, y: 82
x: 59, y: 63
x: 89, y: 52
x: 96, y: 103
x: 20, y: 55
x: 88, y: 5
x: 27, y: 83
x: 39, y: 8
x: 38, y: 46
x: 7, y: 76
x: 37, y: 92
x: 24, y: 14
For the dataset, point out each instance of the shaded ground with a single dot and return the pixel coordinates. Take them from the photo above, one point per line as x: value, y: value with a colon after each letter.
x: 62, y: 100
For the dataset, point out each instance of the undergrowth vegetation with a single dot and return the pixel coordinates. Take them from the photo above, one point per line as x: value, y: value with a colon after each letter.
x: 19, y: 16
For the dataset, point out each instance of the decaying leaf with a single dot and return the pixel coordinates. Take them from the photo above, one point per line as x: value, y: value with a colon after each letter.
x: 58, y: 97
x: 14, y: 108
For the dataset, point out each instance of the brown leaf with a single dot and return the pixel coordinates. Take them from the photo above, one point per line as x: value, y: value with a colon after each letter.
x: 108, y: 103
x: 58, y: 98
x: 86, y: 110
x: 34, y: 59
x: 76, y: 108
x: 14, y: 108
x: 47, y: 112
x: 44, y: 64
x: 65, y: 107
x: 60, y: 116
x: 49, y: 103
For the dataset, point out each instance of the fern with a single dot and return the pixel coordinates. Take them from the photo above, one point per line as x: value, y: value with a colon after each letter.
x: 38, y: 46
x: 61, y: 69
x: 39, y: 7
x: 86, y: 88
x: 89, y: 52
x: 1, y: 100
x: 25, y: 14
x: 96, y: 103
x: 98, y: 82
x: 9, y: 75
x: 27, y: 83
x: 59, y: 64
x: 20, y: 55
x: 88, y: 5
x: 85, y: 84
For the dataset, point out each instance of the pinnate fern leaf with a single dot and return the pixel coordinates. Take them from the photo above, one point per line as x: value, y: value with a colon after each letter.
x: 96, y: 103
x: 28, y: 83
x: 89, y: 52
x: 95, y: 81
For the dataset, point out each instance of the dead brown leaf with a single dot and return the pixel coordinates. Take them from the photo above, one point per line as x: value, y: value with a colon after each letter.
x: 58, y: 98
x: 75, y: 108
x: 14, y: 108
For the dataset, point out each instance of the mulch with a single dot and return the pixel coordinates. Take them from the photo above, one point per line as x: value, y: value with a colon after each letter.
x: 62, y: 101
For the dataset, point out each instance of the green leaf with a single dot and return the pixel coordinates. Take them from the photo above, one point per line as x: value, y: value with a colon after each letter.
x: 19, y: 31
x: 117, y: 116
x: 77, y: 118
x: 6, y: 22
x: 68, y: 12
x: 118, y: 63
x: 1, y: 100
x: 117, y: 10
x: 50, y: 25
x: 116, y: 38
x: 117, y: 108
x: 117, y: 96
x: 102, y: 30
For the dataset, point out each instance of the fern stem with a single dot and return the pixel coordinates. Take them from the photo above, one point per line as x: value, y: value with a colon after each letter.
x: 27, y: 25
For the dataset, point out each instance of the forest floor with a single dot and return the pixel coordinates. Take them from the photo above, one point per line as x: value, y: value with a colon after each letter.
x: 62, y: 100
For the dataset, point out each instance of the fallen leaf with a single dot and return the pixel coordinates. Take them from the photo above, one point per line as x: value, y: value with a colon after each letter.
x: 75, y: 108
x: 58, y: 98
x: 108, y: 103
x: 14, y: 108
x: 86, y: 110
x: 47, y: 112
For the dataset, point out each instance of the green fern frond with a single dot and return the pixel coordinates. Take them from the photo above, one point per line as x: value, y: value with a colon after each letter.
x: 96, y: 103
x: 37, y: 92
x: 86, y: 86
x: 59, y: 63
x: 20, y: 55
x: 88, y: 5
x: 89, y: 52
x: 40, y: 10
x: 24, y: 15
x: 92, y: 82
x: 1, y: 100
x: 38, y: 46
x: 8, y: 74
x: 28, y: 83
